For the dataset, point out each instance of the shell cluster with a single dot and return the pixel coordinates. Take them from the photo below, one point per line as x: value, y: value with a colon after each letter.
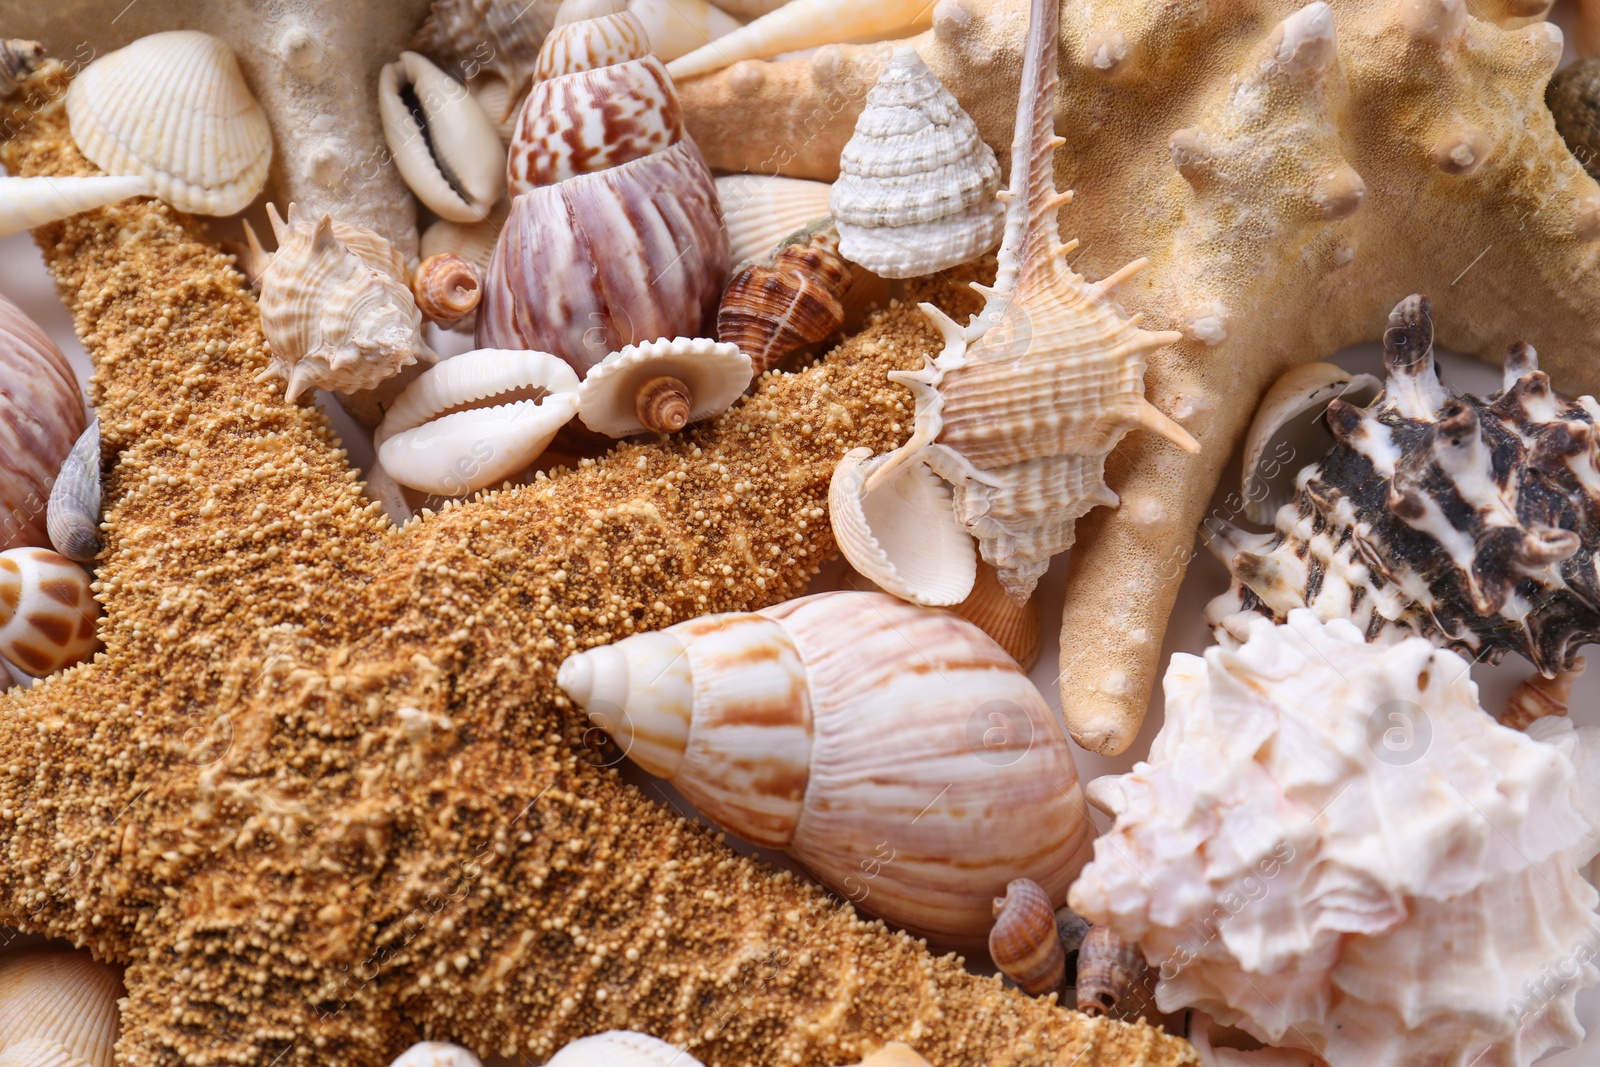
x: 1471, y: 521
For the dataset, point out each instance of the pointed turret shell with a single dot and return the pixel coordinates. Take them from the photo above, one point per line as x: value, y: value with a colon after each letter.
x: 73, y: 518
x: 57, y: 1009
x: 445, y: 146
x: 47, y: 613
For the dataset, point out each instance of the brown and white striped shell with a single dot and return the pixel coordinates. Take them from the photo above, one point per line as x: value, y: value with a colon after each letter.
x: 57, y: 1009
x: 790, y: 300
x: 47, y: 614
x: 894, y: 750
x: 1113, y: 978
x: 615, y: 235
x: 447, y: 288
x: 41, y: 415
x: 1024, y: 943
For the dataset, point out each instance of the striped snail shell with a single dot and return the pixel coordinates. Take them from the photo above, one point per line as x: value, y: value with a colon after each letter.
x: 1024, y: 943
x: 792, y: 298
x: 896, y: 751
x: 1112, y: 974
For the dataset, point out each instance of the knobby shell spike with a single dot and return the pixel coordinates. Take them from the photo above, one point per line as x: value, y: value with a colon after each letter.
x: 917, y: 189
x: 41, y: 413
x: 47, y: 614
x: 1288, y: 431
x: 29, y: 202
x: 1014, y: 626
x: 791, y: 299
x: 174, y: 108
x: 1112, y: 975
x: 18, y: 59
x: 476, y: 420
x: 661, y: 386
x: 621, y: 1048
x: 73, y: 517
x: 806, y: 24
x: 678, y: 27
x: 1023, y: 942
x: 436, y: 1054
x: 761, y: 211
x: 902, y: 536
x: 852, y: 728
x: 1020, y: 410
x: 447, y: 288
x: 57, y: 1009
x: 446, y: 147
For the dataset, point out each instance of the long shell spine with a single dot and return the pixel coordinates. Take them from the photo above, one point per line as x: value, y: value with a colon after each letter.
x: 1470, y: 521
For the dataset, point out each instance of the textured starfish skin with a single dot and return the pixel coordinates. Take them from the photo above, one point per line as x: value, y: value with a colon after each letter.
x: 1327, y: 170
x: 319, y: 792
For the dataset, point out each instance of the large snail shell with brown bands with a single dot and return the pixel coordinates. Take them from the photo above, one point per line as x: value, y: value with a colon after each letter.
x: 41, y: 415
x: 1024, y: 943
x: 793, y: 298
x: 895, y: 751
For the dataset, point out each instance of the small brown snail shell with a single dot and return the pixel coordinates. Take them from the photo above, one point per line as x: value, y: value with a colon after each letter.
x: 1024, y: 943
x: 663, y: 405
x: 447, y: 287
x: 1537, y: 696
x: 792, y: 299
x: 1111, y: 971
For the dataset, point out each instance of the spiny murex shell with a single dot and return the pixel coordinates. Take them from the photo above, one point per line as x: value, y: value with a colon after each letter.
x: 917, y: 185
x: 174, y: 108
x: 336, y: 306
x: 1470, y: 521
x: 57, y: 1009
x: 896, y: 751
x: 1020, y: 409
x: 47, y: 613
x: 1334, y: 848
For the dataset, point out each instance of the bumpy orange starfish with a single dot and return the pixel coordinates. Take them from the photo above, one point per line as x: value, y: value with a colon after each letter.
x: 320, y: 793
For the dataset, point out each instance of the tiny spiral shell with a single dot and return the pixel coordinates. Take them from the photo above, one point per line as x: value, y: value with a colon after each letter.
x: 1111, y: 974
x: 793, y: 299
x: 18, y: 59
x: 1537, y: 696
x: 663, y: 405
x: 1024, y: 943
x: 447, y: 287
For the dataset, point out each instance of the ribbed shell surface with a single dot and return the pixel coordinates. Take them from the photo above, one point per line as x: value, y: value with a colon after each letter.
x: 1024, y: 943
x: 761, y: 210
x: 589, y: 44
x: 794, y: 299
x: 457, y: 31
x: 41, y: 415
x: 64, y: 998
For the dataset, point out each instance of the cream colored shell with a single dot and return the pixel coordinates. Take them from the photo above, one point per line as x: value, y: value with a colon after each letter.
x: 29, y: 202
x: 917, y: 189
x: 895, y: 751
x: 715, y: 374
x: 806, y: 24
x: 678, y: 27
x: 474, y: 241
x: 621, y: 1048
x: 436, y: 1054
x: 57, y: 1009
x: 47, y: 613
x: 450, y: 155
x: 174, y: 108
x: 902, y: 536
x: 760, y: 211
x: 1288, y: 432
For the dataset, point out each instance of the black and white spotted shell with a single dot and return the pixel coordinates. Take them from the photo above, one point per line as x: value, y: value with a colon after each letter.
x: 1471, y: 521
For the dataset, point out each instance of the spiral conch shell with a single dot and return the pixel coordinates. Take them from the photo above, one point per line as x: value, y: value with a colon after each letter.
x: 895, y: 751
x: 1334, y: 848
x: 447, y: 288
x: 57, y: 1009
x: 1021, y: 409
x: 47, y: 613
x: 917, y: 185
x: 336, y: 306
x: 41, y: 413
x: 174, y: 108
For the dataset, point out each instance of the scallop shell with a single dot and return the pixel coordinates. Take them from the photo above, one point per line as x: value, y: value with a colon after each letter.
x: 1332, y: 847
x: 806, y: 24
x: 1020, y: 411
x: 1288, y: 430
x: 794, y: 298
x: 476, y: 420
x: 174, y: 108
x: 336, y: 306
x: 73, y: 516
x: 902, y: 536
x: 1013, y: 626
x: 706, y: 375
x: 761, y: 211
x: 499, y: 37
x: 18, y: 59
x: 447, y: 288
x: 445, y: 146
x: 47, y: 615
x: 894, y: 751
x: 472, y: 241
x: 436, y: 1054
x: 57, y: 1009
x: 917, y: 189
x: 1470, y: 521
x: 41, y: 414
x: 493, y: 94
x: 621, y: 1048
x: 1024, y: 943
x: 29, y: 202
x: 678, y: 27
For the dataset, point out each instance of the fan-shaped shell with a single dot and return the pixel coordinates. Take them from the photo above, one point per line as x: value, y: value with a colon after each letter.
x: 444, y: 144
x: 174, y: 108
x: 41, y: 414
x: 793, y: 298
x: 57, y: 1009
x: 710, y: 376
x: 472, y: 241
x: 29, y: 202
x: 436, y: 1054
x: 1014, y: 626
x: 47, y: 614
x: 621, y: 1048
x: 917, y: 189
x: 903, y: 535
x: 760, y: 211
x: 73, y: 516
x: 475, y: 420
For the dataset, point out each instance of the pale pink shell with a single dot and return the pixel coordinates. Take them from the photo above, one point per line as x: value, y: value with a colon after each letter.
x: 41, y: 415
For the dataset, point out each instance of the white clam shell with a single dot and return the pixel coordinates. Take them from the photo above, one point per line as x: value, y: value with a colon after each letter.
x: 29, y: 202
x: 678, y: 27
x: 760, y: 210
x: 716, y: 373
x: 1288, y: 432
x: 902, y: 535
x: 47, y: 613
x: 476, y: 420
x: 174, y: 108
x: 621, y: 1048
x: 73, y: 516
x: 436, y: 1054
x: 57, y: 1009
x: 453, y: 160
x: 917, y: 189
x: 806, y: 24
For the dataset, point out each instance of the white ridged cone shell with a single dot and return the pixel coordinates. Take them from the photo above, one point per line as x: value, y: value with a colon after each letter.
x: 678, y: 27
x: 436, y: 1054
x: 452, y: 159
x: 903, y: 535
x: 57, y: 1008
x: 476, y: 420
x: 174, y: 108
x: 41, y: 415
x: 760, y: 211
x: 895, y: 751
x: 73, y: 516
x: 621, y: 1048
x: 917, y: 189
x: 716, y: 374
x: 1333, y: 847
x: 806, y: 24
x: 29, y: 202
x: 47, y: 613
x: 474, y: 241
x: 1288, y: 432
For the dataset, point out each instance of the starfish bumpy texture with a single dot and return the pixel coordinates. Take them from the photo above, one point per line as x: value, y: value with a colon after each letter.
x: 1290, y: 170
x: 320, y: 792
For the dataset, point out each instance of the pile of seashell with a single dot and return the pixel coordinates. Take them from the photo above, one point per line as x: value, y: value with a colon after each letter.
x: 613, y: 286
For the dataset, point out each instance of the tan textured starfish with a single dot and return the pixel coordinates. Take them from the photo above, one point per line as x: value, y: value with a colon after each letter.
x: 318, y: 792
